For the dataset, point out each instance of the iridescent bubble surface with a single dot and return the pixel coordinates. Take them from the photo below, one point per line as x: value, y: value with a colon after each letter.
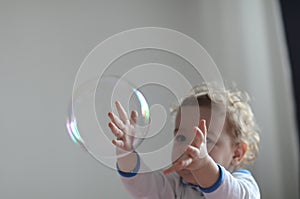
x: 91, y: 119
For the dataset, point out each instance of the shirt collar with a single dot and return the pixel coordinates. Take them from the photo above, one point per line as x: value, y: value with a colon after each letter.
x: 195, y: 187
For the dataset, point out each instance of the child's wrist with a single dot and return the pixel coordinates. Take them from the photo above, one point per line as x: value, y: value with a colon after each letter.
x: 217, y: 184
x: 129, y: 163
x: 207, y: 173
x: 203, y: 163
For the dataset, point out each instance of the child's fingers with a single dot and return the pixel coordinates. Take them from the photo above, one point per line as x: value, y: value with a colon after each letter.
x: 133, y: 117
x: 199, y: 137
x: 115, y: 130
x: 186, y: 162
x: 203, y: 127
x: 116, y: 120
x: 193, y: 151
x: 122, y: 112
x: 200, y: 134
x: 171, y: 169
x: 179, y: 166
x: 118, y: 143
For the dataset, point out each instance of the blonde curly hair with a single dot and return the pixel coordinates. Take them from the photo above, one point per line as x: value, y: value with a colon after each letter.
x: 239, y: 115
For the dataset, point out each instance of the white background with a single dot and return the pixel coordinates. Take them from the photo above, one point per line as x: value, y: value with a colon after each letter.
x: 43, y: 43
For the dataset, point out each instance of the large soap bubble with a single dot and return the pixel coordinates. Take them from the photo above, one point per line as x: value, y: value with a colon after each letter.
x: 87, y: 121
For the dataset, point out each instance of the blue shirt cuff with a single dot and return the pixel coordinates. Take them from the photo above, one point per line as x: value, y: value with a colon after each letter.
x: 134, y: 171
x: 217, y: 184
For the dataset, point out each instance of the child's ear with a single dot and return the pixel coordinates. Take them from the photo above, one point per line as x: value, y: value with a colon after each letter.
x: 239, y: 153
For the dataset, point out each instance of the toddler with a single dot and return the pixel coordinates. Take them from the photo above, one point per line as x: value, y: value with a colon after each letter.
x: 206, y: 163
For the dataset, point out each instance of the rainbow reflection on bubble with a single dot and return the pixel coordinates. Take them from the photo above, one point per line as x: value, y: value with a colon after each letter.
x: 73, y: 130
x: 144, y: 105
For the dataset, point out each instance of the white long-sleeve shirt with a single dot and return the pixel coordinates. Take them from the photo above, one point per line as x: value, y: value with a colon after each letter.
x: 155, y: 185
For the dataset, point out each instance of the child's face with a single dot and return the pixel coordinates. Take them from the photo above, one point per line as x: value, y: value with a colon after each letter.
x: 221, y: 150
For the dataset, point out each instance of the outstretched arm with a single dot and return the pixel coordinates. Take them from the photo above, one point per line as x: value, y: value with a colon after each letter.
x: 202, y: 166
x: 140, y: 185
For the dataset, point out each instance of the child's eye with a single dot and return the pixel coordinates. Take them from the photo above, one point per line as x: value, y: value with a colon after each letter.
x: 180, y: 138
x: 208, y: 140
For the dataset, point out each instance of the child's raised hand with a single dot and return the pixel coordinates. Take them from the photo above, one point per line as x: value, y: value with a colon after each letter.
x: 123, y: 128
x: 195, y: 154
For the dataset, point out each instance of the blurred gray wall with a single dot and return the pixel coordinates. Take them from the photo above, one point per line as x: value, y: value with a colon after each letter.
x: 43, y: 43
